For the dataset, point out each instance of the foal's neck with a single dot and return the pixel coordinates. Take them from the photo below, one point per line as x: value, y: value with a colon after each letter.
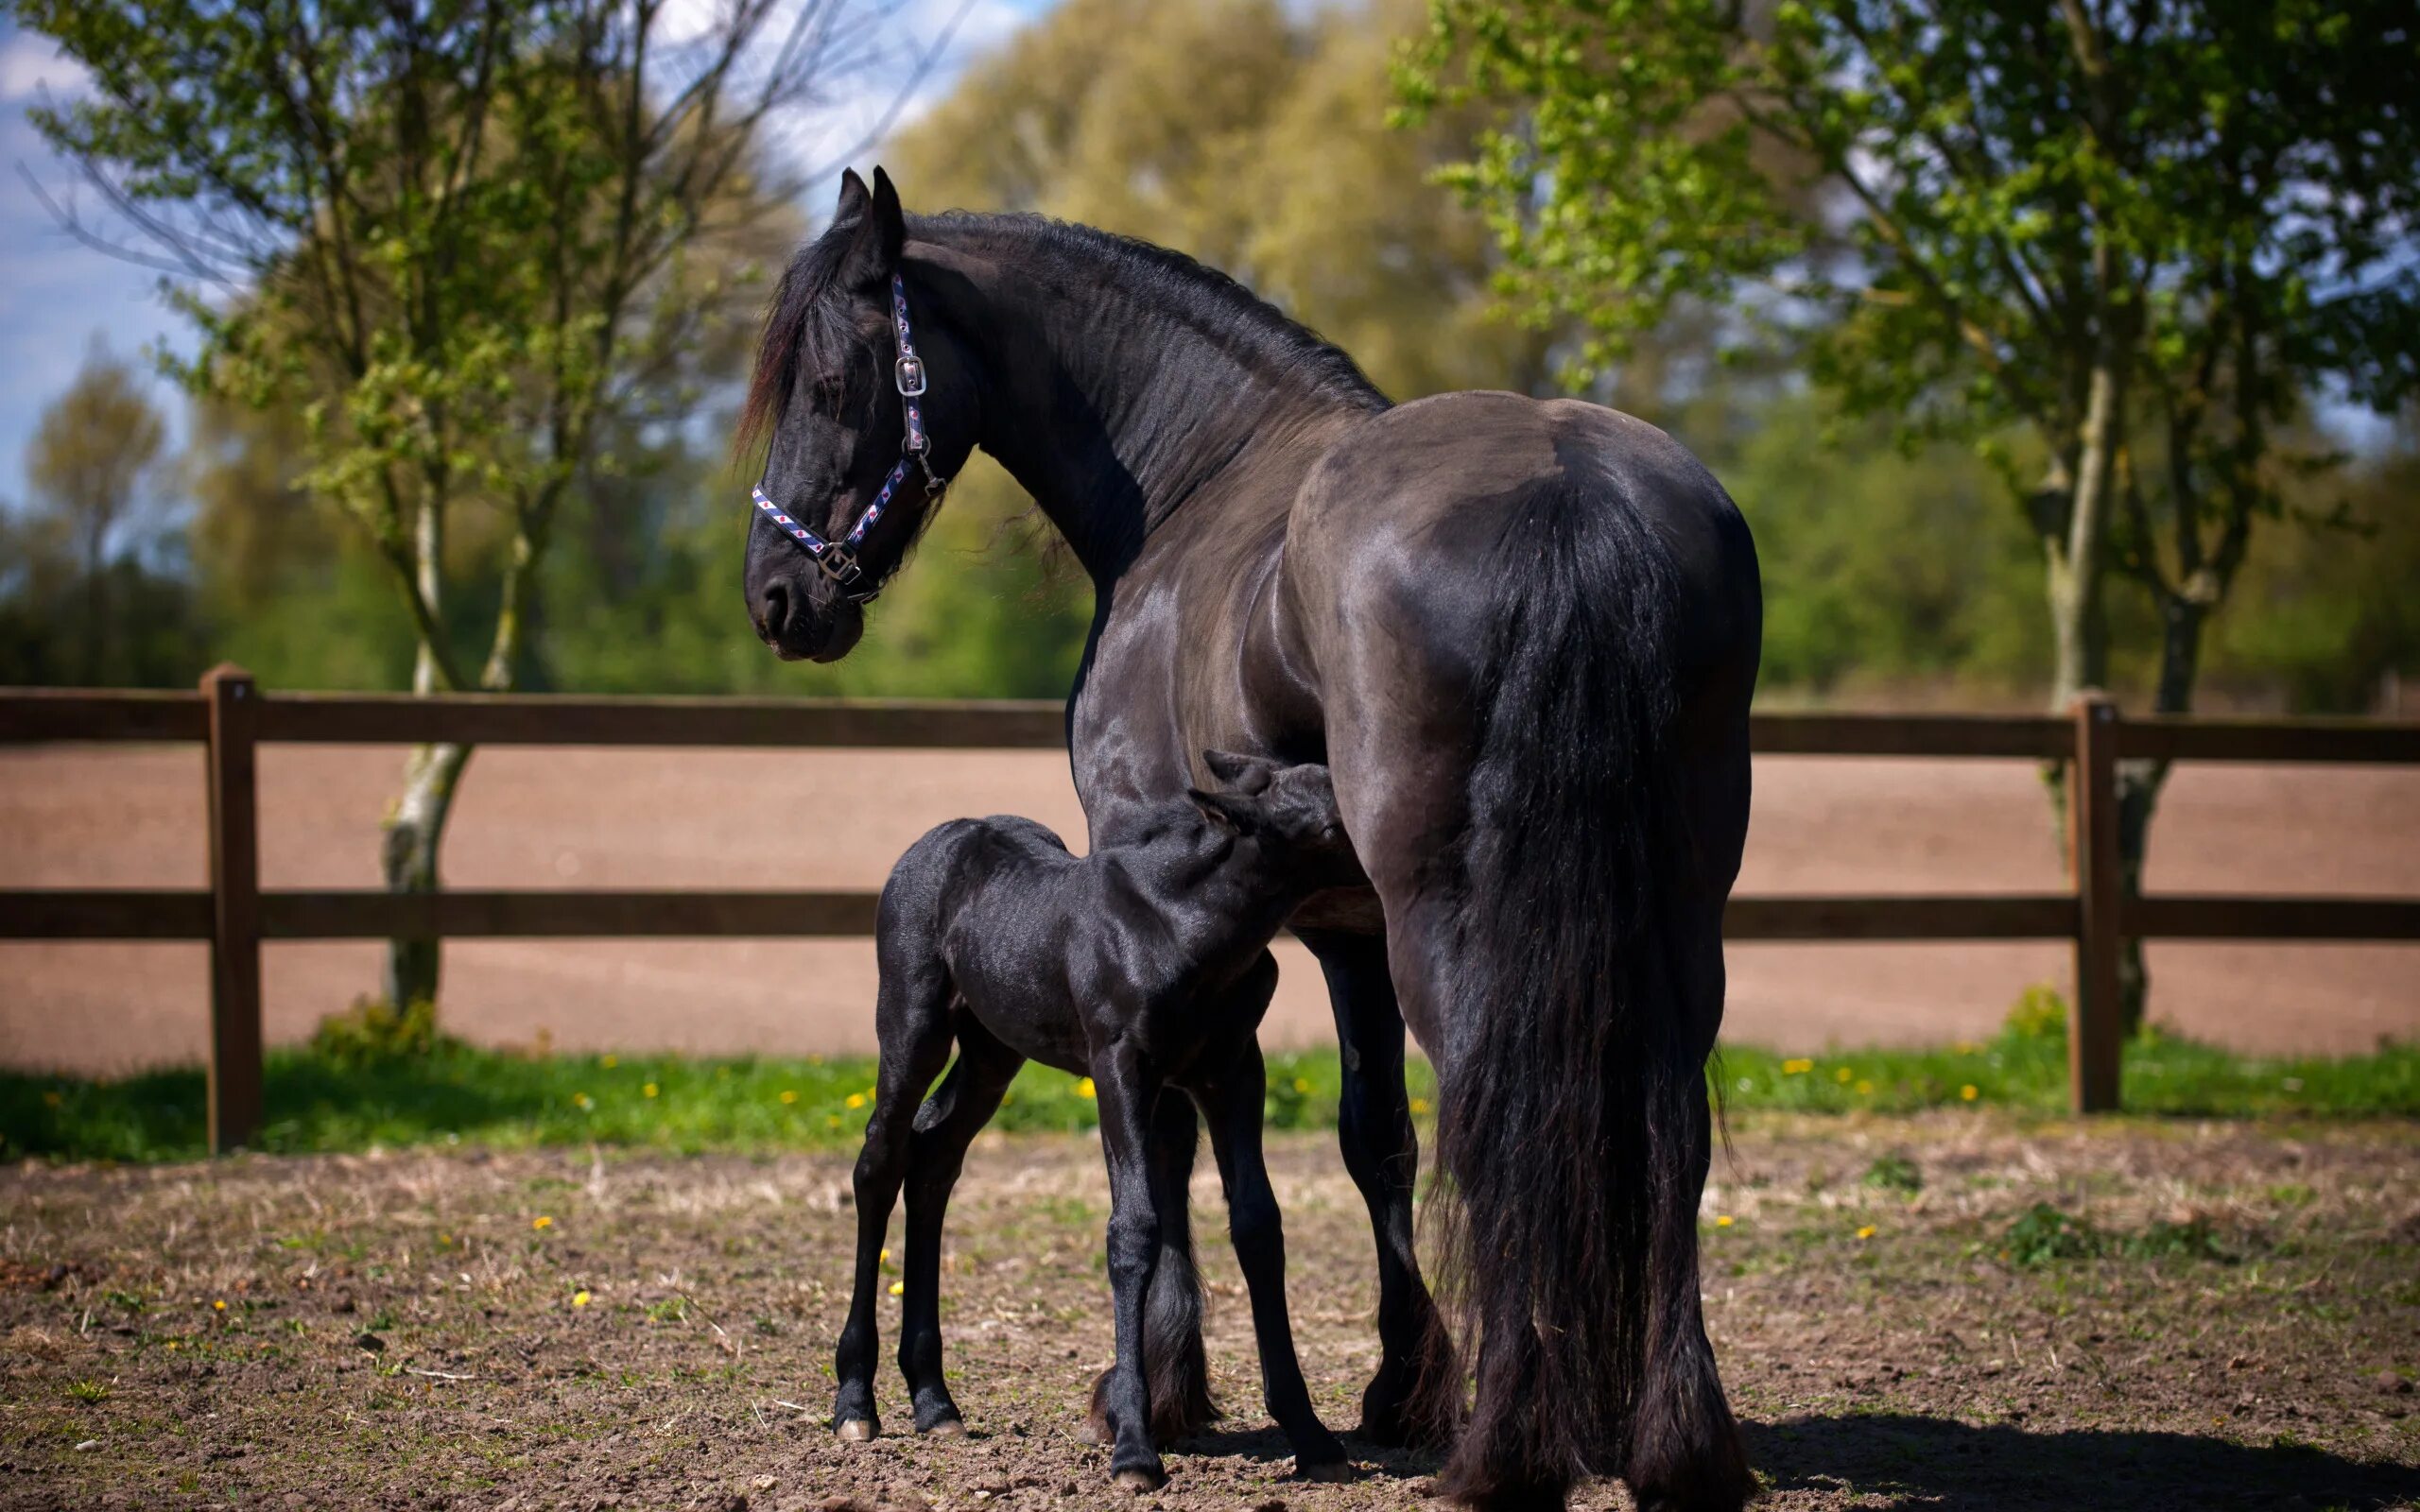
x: 1121, y: 385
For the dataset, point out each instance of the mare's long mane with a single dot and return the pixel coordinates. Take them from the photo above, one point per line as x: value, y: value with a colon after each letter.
x: 802, y: 325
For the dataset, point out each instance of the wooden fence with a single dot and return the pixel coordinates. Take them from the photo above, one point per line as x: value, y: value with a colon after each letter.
x: 231, y: 717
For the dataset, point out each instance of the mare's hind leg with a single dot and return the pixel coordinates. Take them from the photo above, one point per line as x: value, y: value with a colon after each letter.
x: 1416, y: 1395
x: 945, y: 1126
x: 1232, y: 1099
x: 1685, y: 1450
x: 1173, y: 1359
x: 912, y: 1020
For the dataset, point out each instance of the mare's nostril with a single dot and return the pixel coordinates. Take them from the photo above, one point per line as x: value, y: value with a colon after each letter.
x: 777, y: 609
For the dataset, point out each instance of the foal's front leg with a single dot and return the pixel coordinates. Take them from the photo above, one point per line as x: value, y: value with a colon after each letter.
x: 913, y: 1022
x: 1128, y: 1092
x: 1233, y: 1101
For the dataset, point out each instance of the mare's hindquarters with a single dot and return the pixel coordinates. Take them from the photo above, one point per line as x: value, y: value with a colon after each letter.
x: 1553, y: 861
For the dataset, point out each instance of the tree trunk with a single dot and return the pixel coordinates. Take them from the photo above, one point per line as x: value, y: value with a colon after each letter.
x: 415, y: 827
x: 2141, y: 782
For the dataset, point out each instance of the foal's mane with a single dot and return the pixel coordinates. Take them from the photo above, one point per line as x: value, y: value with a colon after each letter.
x: 802, y: 324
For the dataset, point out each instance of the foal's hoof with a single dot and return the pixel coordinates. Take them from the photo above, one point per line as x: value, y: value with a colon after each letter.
x: 946, y: 1428
x: 856, y: 1429
x: 1331, y: 1471
x: 1142, y: 1480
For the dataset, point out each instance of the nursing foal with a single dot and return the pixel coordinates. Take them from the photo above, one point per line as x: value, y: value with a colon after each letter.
x: 1144, y: 966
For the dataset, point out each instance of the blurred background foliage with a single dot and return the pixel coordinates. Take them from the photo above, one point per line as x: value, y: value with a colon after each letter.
x: 1252, y: 134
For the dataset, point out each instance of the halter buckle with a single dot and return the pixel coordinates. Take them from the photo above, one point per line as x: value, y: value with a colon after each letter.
x: 908, y: 374
x: 839, y: 564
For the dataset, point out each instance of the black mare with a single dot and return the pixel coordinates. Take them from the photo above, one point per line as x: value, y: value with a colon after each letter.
x: 1147, y: 966
x: 1522, y: 634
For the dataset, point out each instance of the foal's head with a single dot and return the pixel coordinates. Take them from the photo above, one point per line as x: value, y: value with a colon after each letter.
x: 1289, y: 810
x: 859, y: 431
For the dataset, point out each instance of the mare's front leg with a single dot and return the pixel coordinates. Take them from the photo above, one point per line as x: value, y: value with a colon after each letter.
x: 945, y: 1126
x: 1233, y: 1101
x: 1416, y: 1395
x: 912, y: 1023
x: 1128, y: 1094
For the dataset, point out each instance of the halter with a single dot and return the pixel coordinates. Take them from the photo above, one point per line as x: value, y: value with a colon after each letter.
x: 838, y: 558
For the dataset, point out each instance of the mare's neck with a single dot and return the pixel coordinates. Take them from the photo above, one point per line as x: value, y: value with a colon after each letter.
x: 1114, y: 391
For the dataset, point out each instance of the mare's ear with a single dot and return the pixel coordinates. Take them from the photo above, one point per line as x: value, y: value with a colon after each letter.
x: 853, y: 198
x: 1246, y: 774
x: 1225, y: 811
x: 881, y: 232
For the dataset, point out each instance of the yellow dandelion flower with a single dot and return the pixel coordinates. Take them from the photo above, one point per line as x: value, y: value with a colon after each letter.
x: 1084, y: 1087
x: 650, y: 1090
x: 221, y: 1305
x: 898, y: 1287
x: 1796, y: 1068
x: 579, y: 1298
x: 1866, y: 1232
x: 541, y: 1221
x: 1420, y: 1104
x: 1723, y: 1221
x: 856, y: 1100
x: 580, y: 1101
x: 1965, y: 1047
x: 832, y: 1121
x: 609, y: 1062
x: 884, y: 1256
x: 1865, y: 1088
x: 1969, y: 1092
x: 788, y: 1097
x: 1303, y: 1084
x: 1843, y: 1075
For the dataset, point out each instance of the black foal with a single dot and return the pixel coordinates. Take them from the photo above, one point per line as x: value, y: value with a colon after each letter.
x: 1147, y: 967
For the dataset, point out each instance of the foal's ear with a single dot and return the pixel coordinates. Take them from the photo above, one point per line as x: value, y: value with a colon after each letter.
x: 1248, y: 774
x: 880, y: 229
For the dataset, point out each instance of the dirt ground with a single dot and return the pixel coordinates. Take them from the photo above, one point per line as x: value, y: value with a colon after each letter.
x: 437, y: 1330
x: 115, y: 816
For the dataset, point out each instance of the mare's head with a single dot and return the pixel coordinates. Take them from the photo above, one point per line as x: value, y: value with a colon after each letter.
x: 830, y: 401
x: 1290, y: 809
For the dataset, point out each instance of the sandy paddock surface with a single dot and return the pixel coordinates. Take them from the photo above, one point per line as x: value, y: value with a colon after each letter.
x: 118, y: 817
x: 558, y: 1330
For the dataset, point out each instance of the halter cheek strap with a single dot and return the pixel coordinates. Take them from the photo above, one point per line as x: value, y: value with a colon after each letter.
x: 838, y: 558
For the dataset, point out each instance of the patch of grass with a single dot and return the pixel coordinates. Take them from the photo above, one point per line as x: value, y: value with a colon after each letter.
x: 1894, y: 1173
x: 2043, y: 1235
x: 332, y: 1099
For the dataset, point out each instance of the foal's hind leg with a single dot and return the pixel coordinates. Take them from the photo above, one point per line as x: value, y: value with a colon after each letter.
x: 945, y: 1126
x: 912, y: 1020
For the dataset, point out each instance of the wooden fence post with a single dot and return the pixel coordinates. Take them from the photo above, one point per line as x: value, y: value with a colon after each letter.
x: 2095, y: 1021
x: 234, y: 908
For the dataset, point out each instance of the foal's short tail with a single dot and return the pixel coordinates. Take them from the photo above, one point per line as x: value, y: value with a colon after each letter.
x: 1567, y: 1073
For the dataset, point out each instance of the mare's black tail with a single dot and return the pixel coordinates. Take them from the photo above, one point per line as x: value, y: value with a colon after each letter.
x: 1567, y: 1072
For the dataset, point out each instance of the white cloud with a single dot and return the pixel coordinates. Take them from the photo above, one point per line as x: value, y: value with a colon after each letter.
x: 31, y: 65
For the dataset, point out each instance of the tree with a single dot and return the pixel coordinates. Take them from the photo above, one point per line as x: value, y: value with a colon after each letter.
x: 462, y: 236
x: 2135, y: 237
x: 91, y: 463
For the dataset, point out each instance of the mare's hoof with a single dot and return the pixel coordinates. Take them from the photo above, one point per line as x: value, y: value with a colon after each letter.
x: 946, y: 1428
x: 1140, y: 1481
x: 1330, y: 1471
x: 854, y: 1430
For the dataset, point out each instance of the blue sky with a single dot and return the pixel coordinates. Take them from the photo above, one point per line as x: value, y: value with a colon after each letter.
x: 57, y: 294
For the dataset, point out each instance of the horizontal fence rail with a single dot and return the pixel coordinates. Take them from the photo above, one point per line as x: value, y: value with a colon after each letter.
x: 230, y: 716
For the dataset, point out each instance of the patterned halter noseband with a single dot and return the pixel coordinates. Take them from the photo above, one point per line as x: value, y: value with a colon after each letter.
x: 838, y: 558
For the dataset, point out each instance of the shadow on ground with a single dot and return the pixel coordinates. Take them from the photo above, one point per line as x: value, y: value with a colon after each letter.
x: 1943, y: 1466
